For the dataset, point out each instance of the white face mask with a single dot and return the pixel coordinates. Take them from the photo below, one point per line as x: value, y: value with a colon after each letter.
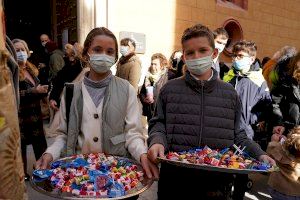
x: 220, y: 47
x: 124, y: 50
x: 200, y: 65
x: 101, y: 63
x: 43, y: 44
x: 22, y: 56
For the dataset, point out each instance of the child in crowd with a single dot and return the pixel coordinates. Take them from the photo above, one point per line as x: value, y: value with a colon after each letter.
x: 285, y: 184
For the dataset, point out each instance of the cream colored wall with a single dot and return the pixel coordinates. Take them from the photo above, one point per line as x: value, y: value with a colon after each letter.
x: 155, y: 18
x: 270, y: 23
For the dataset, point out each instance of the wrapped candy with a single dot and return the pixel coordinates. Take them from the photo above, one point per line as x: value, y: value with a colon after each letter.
x: 117, y: 190
x: 103, y: 181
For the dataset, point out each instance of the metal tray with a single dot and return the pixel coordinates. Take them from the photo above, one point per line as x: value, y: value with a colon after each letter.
x: 46, y: 188
x: 212, y: 168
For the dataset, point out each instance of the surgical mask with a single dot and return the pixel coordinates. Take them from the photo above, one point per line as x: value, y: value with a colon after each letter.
x: 220, y: 47
x: 124, y: 50
x: 101, y: 63
x: 200, y: 65
x: 43, y: 44
x: 22, y: 56
x: 243, y: 64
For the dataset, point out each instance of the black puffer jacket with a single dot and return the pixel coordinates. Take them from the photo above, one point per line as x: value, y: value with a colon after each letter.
x: 193, y: 113
x: 286, y: 104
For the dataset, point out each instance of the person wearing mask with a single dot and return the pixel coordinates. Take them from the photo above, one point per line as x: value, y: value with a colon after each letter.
x: 254, y: 95
x: 43, y: 59
x: 104, y: 115
x: 31, y: 92
x: 176, y: 64
x: 193, y: 111
x: 221, y: 38
x: 129, y: 66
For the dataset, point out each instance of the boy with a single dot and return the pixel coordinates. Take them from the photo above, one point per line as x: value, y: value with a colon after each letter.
x: 221, y: 37
x: 196, y: 110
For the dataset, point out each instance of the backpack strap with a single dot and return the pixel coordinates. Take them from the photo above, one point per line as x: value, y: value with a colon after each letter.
x: 68, y: 99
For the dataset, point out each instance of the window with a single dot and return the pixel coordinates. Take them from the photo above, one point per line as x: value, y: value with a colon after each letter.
x: 235, y: 4
x: 235, y: 32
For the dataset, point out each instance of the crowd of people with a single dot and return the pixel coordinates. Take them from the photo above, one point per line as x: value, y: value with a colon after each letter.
x: 190, y: 100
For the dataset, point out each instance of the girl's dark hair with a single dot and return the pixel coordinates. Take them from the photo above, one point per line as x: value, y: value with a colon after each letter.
x: 93, y: 33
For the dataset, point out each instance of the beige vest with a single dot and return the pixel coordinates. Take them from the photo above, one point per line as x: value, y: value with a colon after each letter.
x: 113, y: 118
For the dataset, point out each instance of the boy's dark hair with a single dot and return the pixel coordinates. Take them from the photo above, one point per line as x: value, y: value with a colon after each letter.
x: 125, y: 42
x: 198, y: 30
x: 247, y: 46
x: 221, y: 32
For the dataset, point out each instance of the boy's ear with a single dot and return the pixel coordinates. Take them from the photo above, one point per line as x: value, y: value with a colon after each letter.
x: 183, y: 57
x: 215, y: 53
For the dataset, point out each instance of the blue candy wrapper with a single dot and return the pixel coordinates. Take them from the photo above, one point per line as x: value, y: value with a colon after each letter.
x: 117, y: 190
x: 79, y: 162
x: 93, y: 174
x: 42, y: 174
x: 57, y: 164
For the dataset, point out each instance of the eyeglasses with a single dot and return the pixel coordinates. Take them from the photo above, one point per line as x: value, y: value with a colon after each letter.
x: 239, y: 56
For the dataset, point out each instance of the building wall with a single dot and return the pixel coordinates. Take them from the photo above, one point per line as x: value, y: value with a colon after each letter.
x: 270, y: 23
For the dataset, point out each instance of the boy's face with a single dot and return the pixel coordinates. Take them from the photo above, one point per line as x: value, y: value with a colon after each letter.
x: 242, y: 60
x: 198, y: 47
x: 220, y: 43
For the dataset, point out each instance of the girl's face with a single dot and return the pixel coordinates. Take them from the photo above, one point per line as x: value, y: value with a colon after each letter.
x: 102, y: 44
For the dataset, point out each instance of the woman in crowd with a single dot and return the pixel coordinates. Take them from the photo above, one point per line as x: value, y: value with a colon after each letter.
x: 155, y: 79
x: 30, y: 116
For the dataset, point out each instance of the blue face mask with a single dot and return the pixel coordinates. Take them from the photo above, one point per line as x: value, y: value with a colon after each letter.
x: 242, y: 64
x: 22, y: 56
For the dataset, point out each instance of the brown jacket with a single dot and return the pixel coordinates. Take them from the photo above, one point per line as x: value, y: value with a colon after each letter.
x: 287, y: 180
x: 129, y: 68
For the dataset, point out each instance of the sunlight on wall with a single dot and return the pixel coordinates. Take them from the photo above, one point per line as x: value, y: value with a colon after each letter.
x: 154, y: 18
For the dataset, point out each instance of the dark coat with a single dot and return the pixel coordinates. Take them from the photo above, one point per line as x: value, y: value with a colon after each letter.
x: 285, y: 104
x: 255, y: 97
x: 193, y: 113
x: 30, y: 115
x: 66, y: 75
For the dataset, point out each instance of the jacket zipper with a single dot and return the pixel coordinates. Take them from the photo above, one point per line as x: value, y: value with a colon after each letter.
x: 202, y: 113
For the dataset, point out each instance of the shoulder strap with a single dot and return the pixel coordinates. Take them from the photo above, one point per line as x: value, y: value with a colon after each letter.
x: 68, y: 99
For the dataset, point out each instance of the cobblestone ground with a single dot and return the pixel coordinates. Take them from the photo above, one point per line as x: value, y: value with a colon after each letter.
x: 258, y: 192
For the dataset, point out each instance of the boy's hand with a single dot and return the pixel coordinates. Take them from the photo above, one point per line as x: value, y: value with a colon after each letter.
x: 267, y: 159
x: 150, y: 168
x: 155, y: 151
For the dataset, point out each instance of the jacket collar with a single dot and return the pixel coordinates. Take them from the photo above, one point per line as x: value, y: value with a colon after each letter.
x: 208, y: 85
